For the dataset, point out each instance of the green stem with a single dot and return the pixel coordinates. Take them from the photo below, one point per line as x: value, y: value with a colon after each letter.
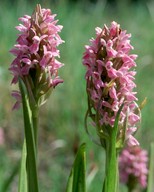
x: 151, y: 169
x: 130, y: 189
x: 30, y: 141
x: 111, y: 178
x: 117, y: 176
x: 106, y: 165
x: 35, y: 120
x: 111, y: 182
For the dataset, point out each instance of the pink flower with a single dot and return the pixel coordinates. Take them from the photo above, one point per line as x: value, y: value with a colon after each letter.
x: 110, y: 79
x: 2, y: 139
x: 36, y: 53
x: 133, y: 167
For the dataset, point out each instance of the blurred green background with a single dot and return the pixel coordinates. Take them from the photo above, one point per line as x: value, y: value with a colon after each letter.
x: 62, y: 118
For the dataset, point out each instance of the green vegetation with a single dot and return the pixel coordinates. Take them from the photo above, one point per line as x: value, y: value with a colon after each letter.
x: 62, y: 118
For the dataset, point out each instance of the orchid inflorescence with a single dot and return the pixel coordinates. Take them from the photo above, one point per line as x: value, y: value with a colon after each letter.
x: 36, y: 52
x: 133, y: 167
x: 110, y: 82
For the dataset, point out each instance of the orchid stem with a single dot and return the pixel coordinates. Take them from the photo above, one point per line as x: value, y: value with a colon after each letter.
x: 111, y: 178
x: 30, y: 141
x: 35, y: 120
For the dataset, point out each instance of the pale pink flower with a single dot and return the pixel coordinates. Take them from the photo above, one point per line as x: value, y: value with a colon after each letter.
x: 36, y: 53
x: 110, y: 79
x: 2, y: 139
x: 133, y: 167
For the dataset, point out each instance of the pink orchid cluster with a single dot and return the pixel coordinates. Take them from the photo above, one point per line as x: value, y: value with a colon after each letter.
x: 110, y: 79
x: 133, y: 166
x: 36, y: 52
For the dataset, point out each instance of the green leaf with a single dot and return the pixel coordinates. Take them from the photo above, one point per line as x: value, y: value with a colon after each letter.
x: 150, y: 186
x: 23, y: 174
x: 30, y: 141
x: 6, y: 185
x: 77, y: 180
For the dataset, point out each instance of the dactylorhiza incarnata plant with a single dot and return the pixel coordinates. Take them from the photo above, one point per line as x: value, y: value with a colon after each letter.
x: 133, y: 163
x: 35, y: 68
x: 111, y: 100
x: 36, y: 52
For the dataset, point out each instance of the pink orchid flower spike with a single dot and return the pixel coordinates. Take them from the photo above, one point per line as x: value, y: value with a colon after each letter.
x: 133, y: 167
x: 110, y: 82
x: 36, y: 54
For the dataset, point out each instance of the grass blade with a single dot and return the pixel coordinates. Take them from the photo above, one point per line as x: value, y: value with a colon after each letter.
x: 77, y: 180
x: 9, y: 180
x: 23, y: 174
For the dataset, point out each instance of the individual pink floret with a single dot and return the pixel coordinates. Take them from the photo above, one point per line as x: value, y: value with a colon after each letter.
x: 133, y: 167
x: 110, y: 78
